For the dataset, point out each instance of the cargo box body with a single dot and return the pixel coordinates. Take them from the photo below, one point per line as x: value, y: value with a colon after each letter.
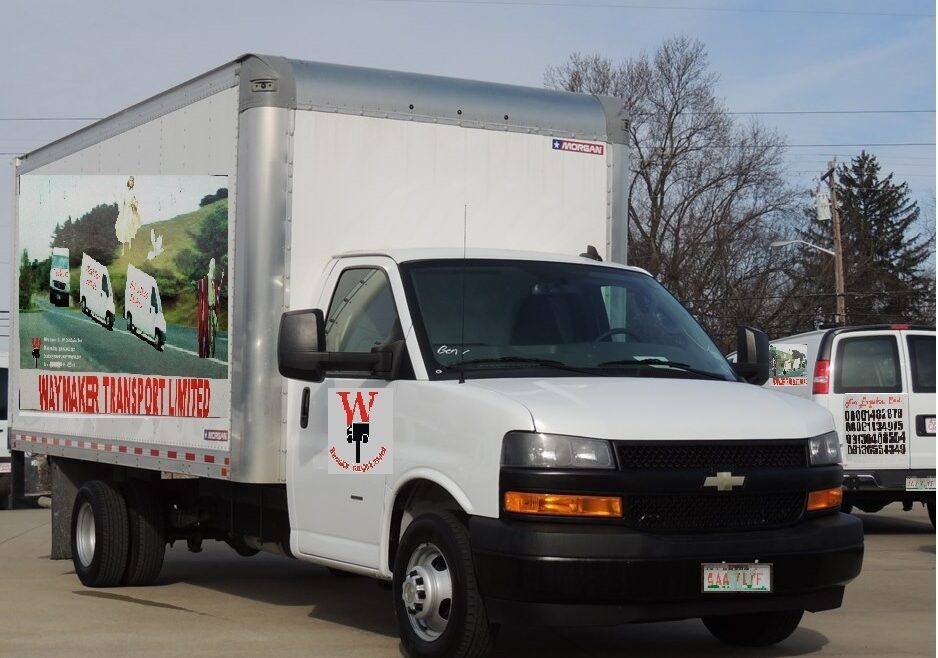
x: 215, y: 207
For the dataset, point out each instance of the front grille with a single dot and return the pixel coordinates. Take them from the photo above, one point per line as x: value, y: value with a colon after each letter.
x: 711, y: 456
x: 719, y: 511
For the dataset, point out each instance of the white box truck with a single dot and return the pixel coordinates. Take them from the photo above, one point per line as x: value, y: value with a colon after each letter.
x: 96, y: 292
x: 415, y: 377
x: 143, y: 309
x: 878, y: 381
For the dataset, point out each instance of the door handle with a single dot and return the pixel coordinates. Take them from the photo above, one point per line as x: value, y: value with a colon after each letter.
x: 304, y: 409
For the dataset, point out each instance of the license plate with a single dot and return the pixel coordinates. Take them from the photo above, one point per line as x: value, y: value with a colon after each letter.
x: 920, y: 484
x: 747, y: 577
x: 930, y: 425
x: 4, y: 467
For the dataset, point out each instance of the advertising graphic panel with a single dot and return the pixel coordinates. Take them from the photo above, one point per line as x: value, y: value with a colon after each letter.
x: 123, y: 295
x: 788, y: 364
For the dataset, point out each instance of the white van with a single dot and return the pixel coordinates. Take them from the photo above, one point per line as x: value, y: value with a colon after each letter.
x: 143, y: 309
x: 96, y: 292
x: 59, y: 284
x: 879, y: 384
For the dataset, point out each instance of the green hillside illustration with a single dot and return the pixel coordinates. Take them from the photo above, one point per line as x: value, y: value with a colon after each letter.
x: 183, y: 260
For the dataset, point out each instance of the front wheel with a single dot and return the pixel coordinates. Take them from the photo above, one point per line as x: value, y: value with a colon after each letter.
x: 436, y: 599
x: 109, y: 321
x: 758, y: 629
x: 160, y: 340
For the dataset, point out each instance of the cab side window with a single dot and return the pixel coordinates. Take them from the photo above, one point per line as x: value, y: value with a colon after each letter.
x: 361, y: 314
x: 922, y: 358
x: 868, y: 364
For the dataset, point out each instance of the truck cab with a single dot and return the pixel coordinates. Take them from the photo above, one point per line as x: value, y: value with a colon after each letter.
x: 568, y: 446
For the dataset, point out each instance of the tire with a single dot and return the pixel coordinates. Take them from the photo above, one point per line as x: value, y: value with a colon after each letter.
x: 109, y: 321
x: 435, y: 547
x: 99, y: 535
x: 160, y: 340
x: 931, y: 512
x: 146, y: 527
x: 130, y: 324
x: 758, y: 629
x: 84, y: 306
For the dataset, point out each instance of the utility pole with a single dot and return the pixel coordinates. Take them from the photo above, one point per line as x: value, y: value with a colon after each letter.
x: 840, y: 316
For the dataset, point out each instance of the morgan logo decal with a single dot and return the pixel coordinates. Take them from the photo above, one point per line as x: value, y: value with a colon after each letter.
x: 578, y: 147
x: 360, y: 428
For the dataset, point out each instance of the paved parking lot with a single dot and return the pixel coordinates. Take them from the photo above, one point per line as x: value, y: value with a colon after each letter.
x: 217, y: 603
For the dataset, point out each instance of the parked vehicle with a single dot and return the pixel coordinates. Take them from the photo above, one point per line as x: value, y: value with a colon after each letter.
x: 59, y: 277
x: 4, y: 443
x: 143, y: 309
x: 503, y: 435
x: 96, y: 292
x: 879, y: 384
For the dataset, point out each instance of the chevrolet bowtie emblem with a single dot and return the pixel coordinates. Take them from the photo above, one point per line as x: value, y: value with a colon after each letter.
x: 724, y: 481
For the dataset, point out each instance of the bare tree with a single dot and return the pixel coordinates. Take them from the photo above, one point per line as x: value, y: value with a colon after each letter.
x: 707, y: 193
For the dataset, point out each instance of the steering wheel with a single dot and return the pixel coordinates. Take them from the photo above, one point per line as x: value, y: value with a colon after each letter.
x: 615, y: 332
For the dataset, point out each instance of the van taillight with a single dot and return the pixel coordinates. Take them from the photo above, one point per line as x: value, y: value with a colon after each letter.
x: 822, y: 382
x: 905, y: 327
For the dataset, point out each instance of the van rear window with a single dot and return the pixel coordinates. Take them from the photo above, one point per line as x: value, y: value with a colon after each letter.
x: 922, y: 356
x: 868, y: 364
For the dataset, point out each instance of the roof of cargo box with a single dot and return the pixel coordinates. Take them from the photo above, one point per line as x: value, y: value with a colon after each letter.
x: 418, y: 97
x: 268, y: 81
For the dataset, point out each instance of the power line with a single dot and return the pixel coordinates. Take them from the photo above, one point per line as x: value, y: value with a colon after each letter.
x: 832, y: 112
x: 609, y: 5
x: 50, y: 118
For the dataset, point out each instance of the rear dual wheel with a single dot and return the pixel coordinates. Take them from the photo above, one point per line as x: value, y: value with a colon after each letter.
x: 117, y: 536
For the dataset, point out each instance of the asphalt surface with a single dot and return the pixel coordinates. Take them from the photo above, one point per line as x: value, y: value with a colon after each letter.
x: 219, y: 604
x: 117, y: 350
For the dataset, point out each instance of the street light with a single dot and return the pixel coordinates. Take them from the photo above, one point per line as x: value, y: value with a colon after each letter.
x: 782, y: 243
x: 838, y: 276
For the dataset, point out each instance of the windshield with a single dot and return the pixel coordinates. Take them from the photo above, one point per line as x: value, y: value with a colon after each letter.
x: 486, y: 317
x: 59, y: 261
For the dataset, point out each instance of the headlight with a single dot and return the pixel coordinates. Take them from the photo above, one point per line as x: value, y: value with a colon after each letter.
x: 530, y: 450
x: 824, y: 449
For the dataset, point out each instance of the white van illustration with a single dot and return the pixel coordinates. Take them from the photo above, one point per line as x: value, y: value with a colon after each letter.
x: 96, y: 292
x: 59, y: 285
x: 143, y: 309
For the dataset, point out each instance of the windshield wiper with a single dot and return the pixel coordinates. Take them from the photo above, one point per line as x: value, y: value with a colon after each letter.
x: 523, y: 360
x: 677, y: 365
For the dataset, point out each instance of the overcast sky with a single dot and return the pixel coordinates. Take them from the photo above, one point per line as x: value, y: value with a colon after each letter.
x: 92, y: 58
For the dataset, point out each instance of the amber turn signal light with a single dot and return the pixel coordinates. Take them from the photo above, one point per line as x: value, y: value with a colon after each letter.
x: 825, y: 499
x: 563, y: 504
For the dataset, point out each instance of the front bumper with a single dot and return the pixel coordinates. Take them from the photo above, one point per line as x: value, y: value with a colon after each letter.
x: 568, y: 574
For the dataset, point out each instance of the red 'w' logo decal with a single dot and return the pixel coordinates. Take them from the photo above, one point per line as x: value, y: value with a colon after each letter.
x: 357, y: 406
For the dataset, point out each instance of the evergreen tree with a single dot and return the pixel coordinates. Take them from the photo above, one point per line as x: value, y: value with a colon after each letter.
x: 884, y: 253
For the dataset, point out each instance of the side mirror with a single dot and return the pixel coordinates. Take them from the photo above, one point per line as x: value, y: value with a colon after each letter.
x: 752, y: 355
x: 302, y: 335
x: 299, y: 351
